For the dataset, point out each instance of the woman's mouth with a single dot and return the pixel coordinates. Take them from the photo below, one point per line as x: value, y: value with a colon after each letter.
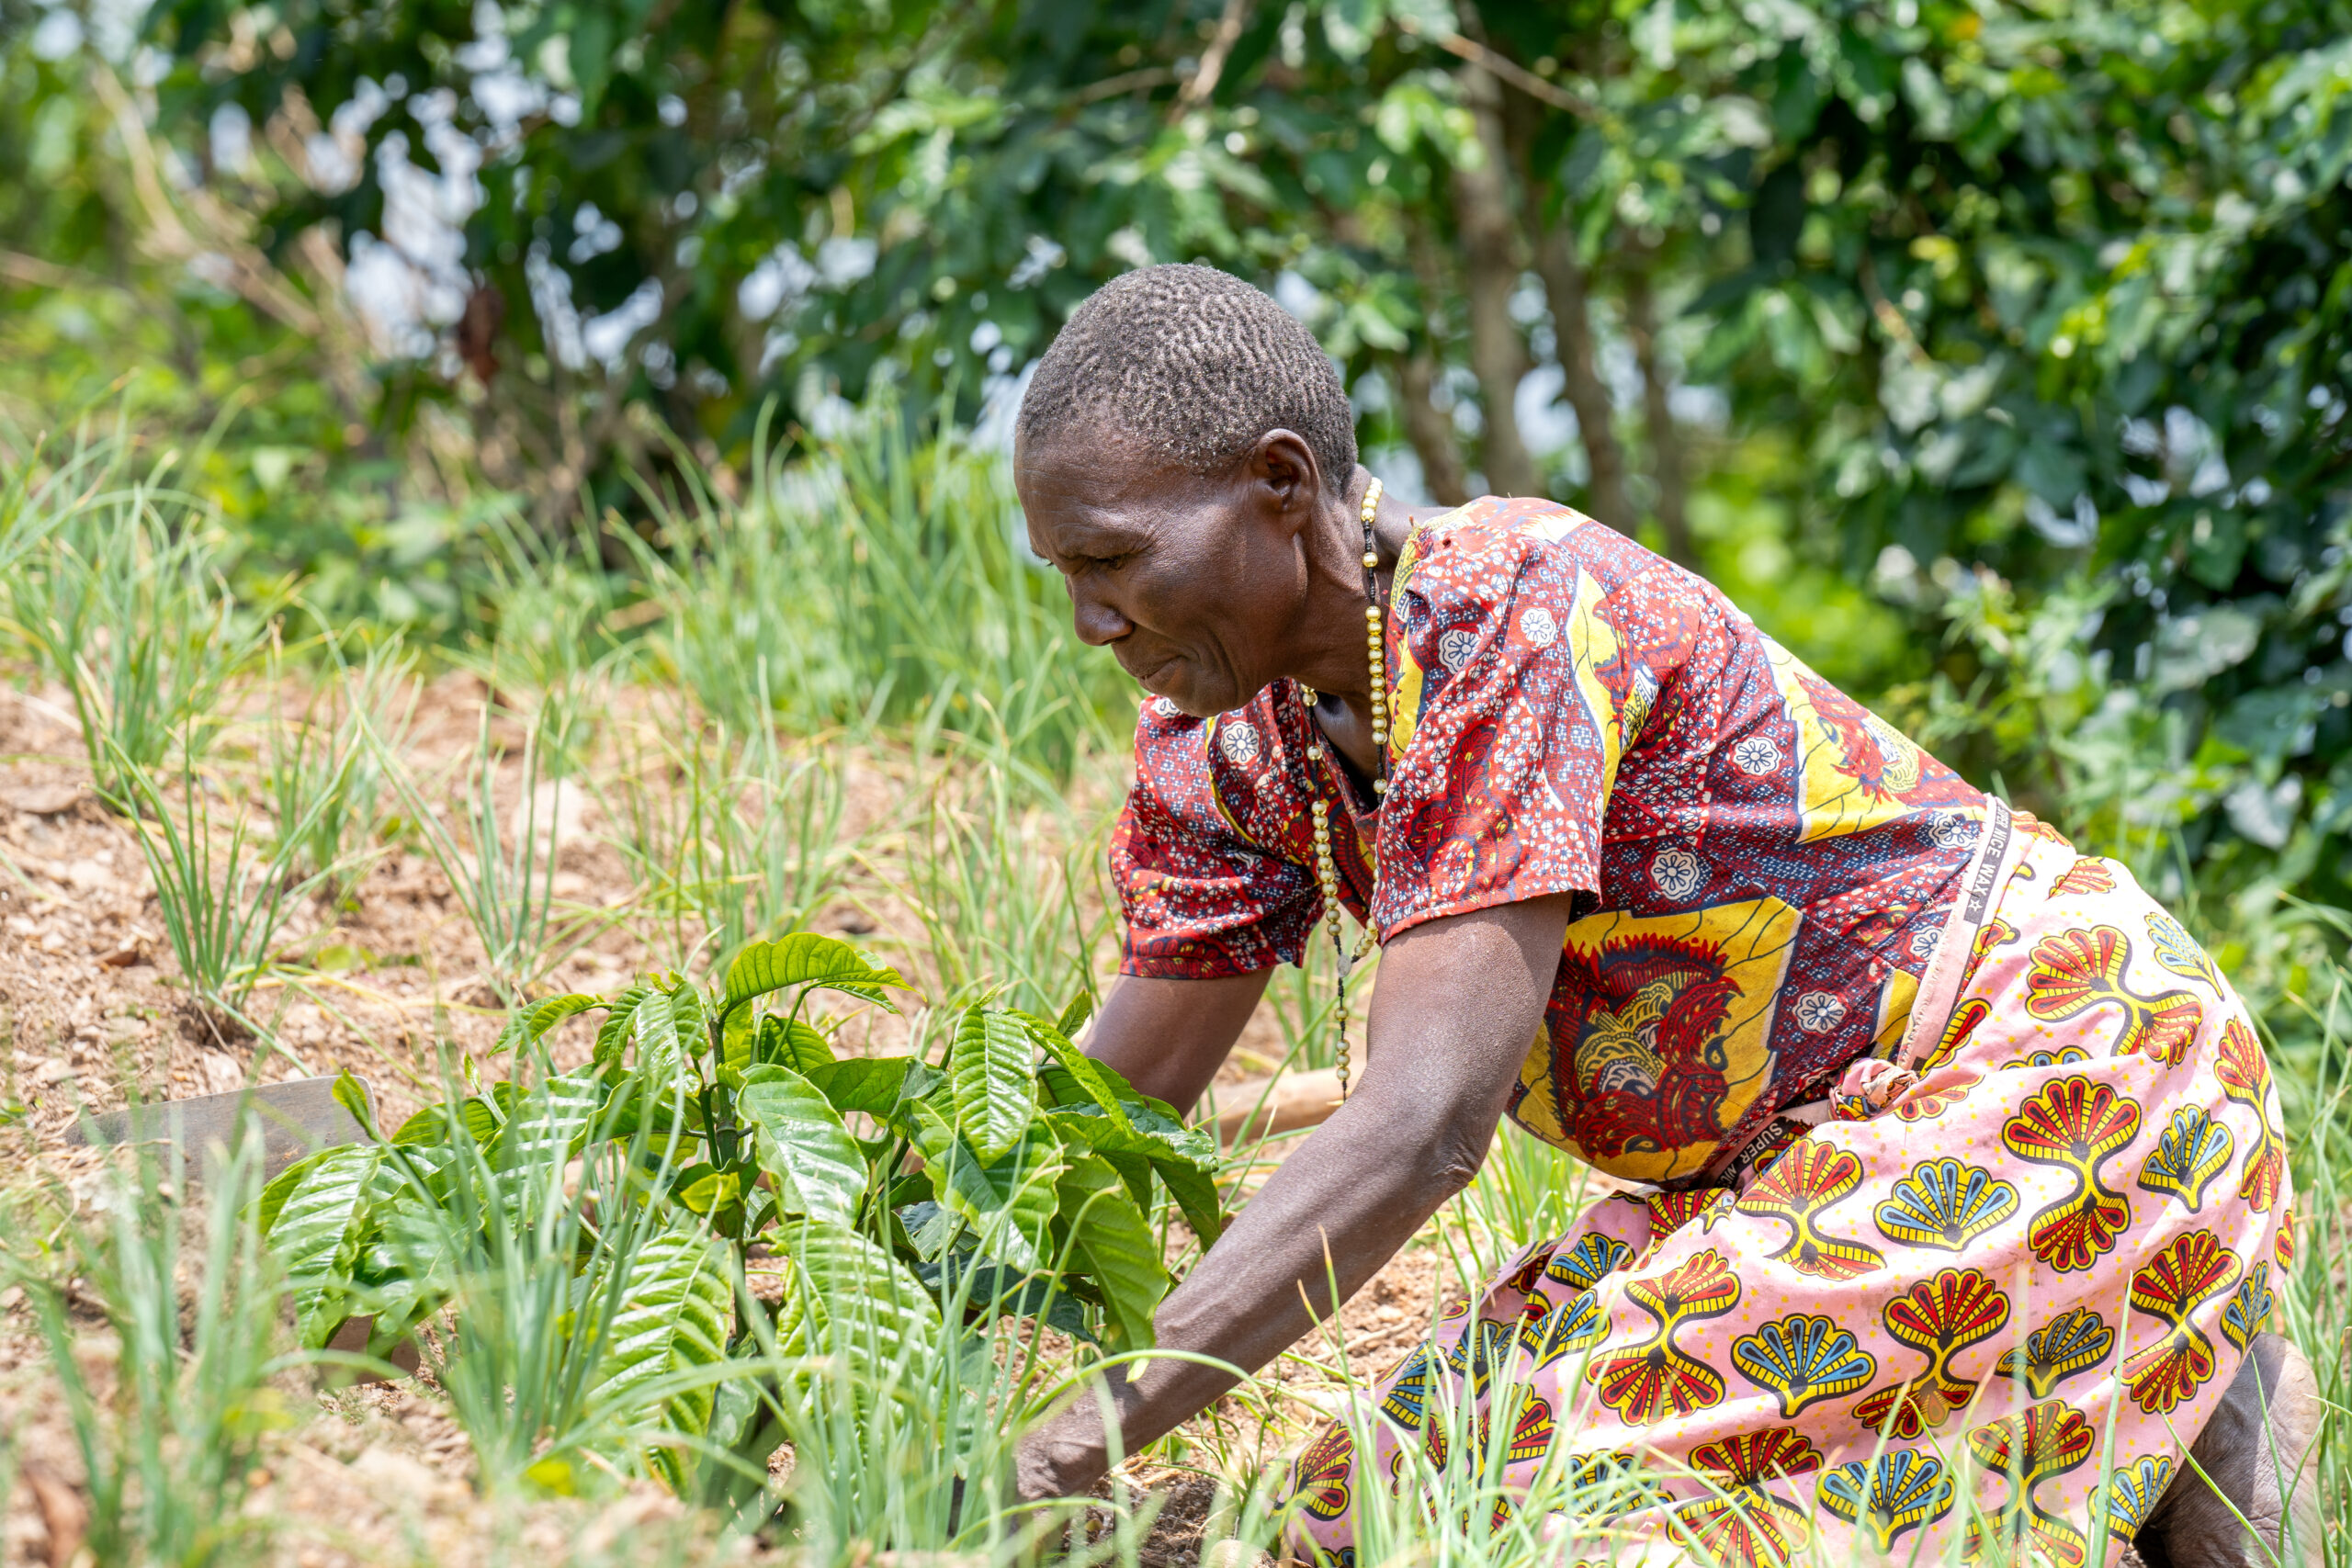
x: 1152, y: 680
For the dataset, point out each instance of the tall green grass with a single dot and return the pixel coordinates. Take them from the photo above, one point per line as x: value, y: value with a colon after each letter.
x: 729, y: 839
x: 885, y: 581
x: 119, y: 599
x: 169, y: 1428
x: 1005, y: 876
x: 497, y: 842
x: 225, y: 894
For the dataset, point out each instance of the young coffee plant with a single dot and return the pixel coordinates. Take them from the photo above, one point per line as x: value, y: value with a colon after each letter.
x: 893, y: 1199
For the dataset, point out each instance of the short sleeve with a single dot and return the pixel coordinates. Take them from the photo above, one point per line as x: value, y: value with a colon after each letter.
x: 1202, y: 900
x: 1509, y: 734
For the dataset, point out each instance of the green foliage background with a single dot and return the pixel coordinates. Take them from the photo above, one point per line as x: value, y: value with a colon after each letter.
x: 1992, y: 353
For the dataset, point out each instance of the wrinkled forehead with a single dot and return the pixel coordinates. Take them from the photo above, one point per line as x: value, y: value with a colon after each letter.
x: 1102, y: 473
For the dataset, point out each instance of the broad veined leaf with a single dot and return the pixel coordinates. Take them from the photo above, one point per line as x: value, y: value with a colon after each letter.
x: 409, y: 1264
x: 316, y: 1228
x: 1143, y: 1134
x: 612, y: 1035
x: 276, y: 1190
x: 796, y: 1043
x: 1136, y: 1171
x: 1196, y: 1194
x: 992, y: 1288
x: 1074, y: 1017
x: 1089, y: 1075
x: 1010, y: 1202
x: 849, y: 1299
x: 431, y: 1126
x: 1117, y: 1248
x: 743, y: 1423
x: 930, y: 1226
x: 675, y: 1312
x: 1129, y: 1095
x: 702, y: 1190
x: 988, y: 1072
x: 806, y: 959
x: 352, y: 1095
x: 803, y: 1145
x: 669, y: 1031
x: 872, y: 1084
x: 549, y: 1122
x: 1184, y: 1158
x: 525, y: 1026
x: 1164, y: 1137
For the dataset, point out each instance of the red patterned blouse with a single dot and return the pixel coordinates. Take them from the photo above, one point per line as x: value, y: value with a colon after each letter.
x: 1760, y: 866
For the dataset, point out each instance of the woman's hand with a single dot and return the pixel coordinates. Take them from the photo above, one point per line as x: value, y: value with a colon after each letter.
x: 1049, y: 1465
x: 1458, y: 1003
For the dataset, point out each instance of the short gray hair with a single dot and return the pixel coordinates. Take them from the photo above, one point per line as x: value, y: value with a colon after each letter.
x: 1196, y: 365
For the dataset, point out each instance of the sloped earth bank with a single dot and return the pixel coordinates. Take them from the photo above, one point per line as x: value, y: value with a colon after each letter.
x: 90, y: 1008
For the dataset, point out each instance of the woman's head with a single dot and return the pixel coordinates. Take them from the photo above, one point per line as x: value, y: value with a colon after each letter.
x: 1181, y: 452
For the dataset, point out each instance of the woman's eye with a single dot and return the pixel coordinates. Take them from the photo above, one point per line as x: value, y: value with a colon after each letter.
x: 1110, y: 563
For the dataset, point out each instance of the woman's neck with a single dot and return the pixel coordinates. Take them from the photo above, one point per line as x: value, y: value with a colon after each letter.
x: 1337, y: 660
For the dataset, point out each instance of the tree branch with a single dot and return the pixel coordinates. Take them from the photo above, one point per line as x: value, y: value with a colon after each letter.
x: 1503, y: 68
x: 1203, y: 82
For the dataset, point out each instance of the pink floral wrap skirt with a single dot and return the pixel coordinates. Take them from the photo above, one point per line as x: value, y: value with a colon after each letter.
x: 1916, y: 1326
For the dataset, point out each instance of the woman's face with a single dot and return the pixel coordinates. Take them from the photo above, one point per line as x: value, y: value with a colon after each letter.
x: 1195, y: 584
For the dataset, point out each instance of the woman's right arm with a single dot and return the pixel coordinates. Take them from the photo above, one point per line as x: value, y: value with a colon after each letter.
x: 1169, y: 1037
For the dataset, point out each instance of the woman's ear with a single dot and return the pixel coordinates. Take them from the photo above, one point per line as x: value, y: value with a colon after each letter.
x: 1284, y: 468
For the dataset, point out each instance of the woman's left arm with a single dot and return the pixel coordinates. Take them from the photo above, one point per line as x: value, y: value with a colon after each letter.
x: 1458, y: 1005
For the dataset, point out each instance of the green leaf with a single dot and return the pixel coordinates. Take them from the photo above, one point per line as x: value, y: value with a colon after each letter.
x: 429, y: 1128
x: 803, y: 1145
x: 549, y: 1122
x: 712, y: 1189
x: 1136, y: 1171
x: 316, y: 1229
x: 1074, y: 1017
x: 872, y: 1084
x: 1092, y: 1079
x: 612, y: 1035
x: 675, y: 1312
x: 806, y: 959
x: 1117, y: 1248
x: 273, y: 1192
x: 849, y: 1299
x: 526, y: 1025
x: 669, y: 1031
x: 989, y: 1067
x: 1010, y: 1202
x: 1195, y: 1195
x: 1185, y: 1157
x: 352, y: 1095
x: 797, y: 1044
x: 1145, y: 1133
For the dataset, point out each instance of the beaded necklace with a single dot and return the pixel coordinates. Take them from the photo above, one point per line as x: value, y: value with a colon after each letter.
x: 1327, y: 869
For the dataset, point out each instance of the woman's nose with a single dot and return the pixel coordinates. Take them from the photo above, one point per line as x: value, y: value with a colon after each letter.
x: 1098, y: 624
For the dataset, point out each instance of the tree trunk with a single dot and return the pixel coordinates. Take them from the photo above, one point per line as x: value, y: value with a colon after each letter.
x: 1490, y: 267
x: 1667, y: 457
x: 1566, y: 288
x: 1428, y: 428
x: 1568, y: 292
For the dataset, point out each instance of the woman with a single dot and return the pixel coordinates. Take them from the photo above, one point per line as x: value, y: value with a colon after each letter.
x: 1953, y: 1144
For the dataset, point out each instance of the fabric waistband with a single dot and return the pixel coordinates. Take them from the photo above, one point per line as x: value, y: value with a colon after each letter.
x: 1998, y: 849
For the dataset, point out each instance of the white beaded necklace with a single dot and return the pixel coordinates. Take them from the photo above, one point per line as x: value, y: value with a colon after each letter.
x: 1327, y: 869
